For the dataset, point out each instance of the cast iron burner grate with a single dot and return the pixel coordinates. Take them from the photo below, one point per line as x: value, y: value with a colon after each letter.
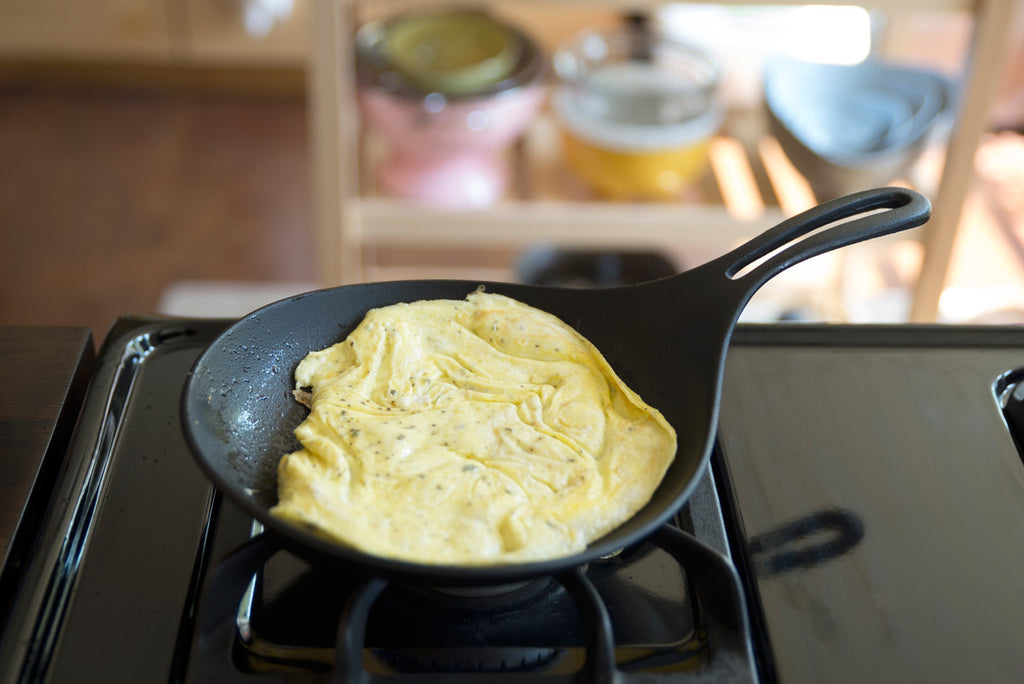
x: 264, y: 611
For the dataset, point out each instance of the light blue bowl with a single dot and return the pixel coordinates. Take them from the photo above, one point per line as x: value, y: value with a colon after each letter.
x: 849, y: 128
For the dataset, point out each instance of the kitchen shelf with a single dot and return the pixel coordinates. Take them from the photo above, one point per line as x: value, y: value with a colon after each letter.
x: 750, y: 188
x: 747, y: 188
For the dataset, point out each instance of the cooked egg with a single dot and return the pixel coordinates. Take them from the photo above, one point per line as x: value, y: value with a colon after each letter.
x: 468, y: 432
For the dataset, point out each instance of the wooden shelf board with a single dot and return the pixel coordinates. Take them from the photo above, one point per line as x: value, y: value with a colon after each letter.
x: 515, y: 223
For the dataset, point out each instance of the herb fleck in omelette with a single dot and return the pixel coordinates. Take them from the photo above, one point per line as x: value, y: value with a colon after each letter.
x: 470, y: 432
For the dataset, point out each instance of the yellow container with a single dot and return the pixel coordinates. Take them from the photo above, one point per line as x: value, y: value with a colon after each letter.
x: 624, y: 161
x: 637, y: 111
x: 656, y: 175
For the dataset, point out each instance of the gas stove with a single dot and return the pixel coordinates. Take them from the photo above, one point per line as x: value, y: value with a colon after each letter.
x: 858, y: 521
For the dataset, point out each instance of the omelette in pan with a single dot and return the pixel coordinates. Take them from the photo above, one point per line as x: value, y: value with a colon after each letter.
x: 468, y: 432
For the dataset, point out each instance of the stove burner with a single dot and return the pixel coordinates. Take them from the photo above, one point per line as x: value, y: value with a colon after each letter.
x: 480, y: 599
x: 291, y: 617
x: 457, y: 660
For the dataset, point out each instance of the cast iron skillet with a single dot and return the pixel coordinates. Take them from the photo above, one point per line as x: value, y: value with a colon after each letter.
x: 667, y: 339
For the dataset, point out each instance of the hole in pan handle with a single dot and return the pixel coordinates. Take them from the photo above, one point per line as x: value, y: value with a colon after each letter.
x: 845, y: 221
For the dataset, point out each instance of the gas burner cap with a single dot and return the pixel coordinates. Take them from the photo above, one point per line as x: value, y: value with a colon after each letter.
x: 452, y: 660
x: 482, y: 598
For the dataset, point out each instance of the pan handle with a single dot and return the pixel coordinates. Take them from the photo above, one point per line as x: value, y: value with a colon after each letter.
x: 906, y: 209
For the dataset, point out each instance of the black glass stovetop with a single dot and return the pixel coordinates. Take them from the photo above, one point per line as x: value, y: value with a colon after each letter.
x: 866, y: 488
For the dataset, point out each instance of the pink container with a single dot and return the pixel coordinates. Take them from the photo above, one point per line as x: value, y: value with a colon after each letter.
x: 447, y: 149
x: 454, y: 156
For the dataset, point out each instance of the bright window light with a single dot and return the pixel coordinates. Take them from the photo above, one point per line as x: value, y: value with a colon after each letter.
x: 742, y: 37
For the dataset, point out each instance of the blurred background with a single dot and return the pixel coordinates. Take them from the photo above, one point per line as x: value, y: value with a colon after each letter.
x: 205, y: 157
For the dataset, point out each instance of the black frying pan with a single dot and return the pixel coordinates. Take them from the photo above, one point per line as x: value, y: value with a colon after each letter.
x: 667, y: 339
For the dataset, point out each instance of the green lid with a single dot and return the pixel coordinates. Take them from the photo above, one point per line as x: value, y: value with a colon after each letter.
x: 452, y: 52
